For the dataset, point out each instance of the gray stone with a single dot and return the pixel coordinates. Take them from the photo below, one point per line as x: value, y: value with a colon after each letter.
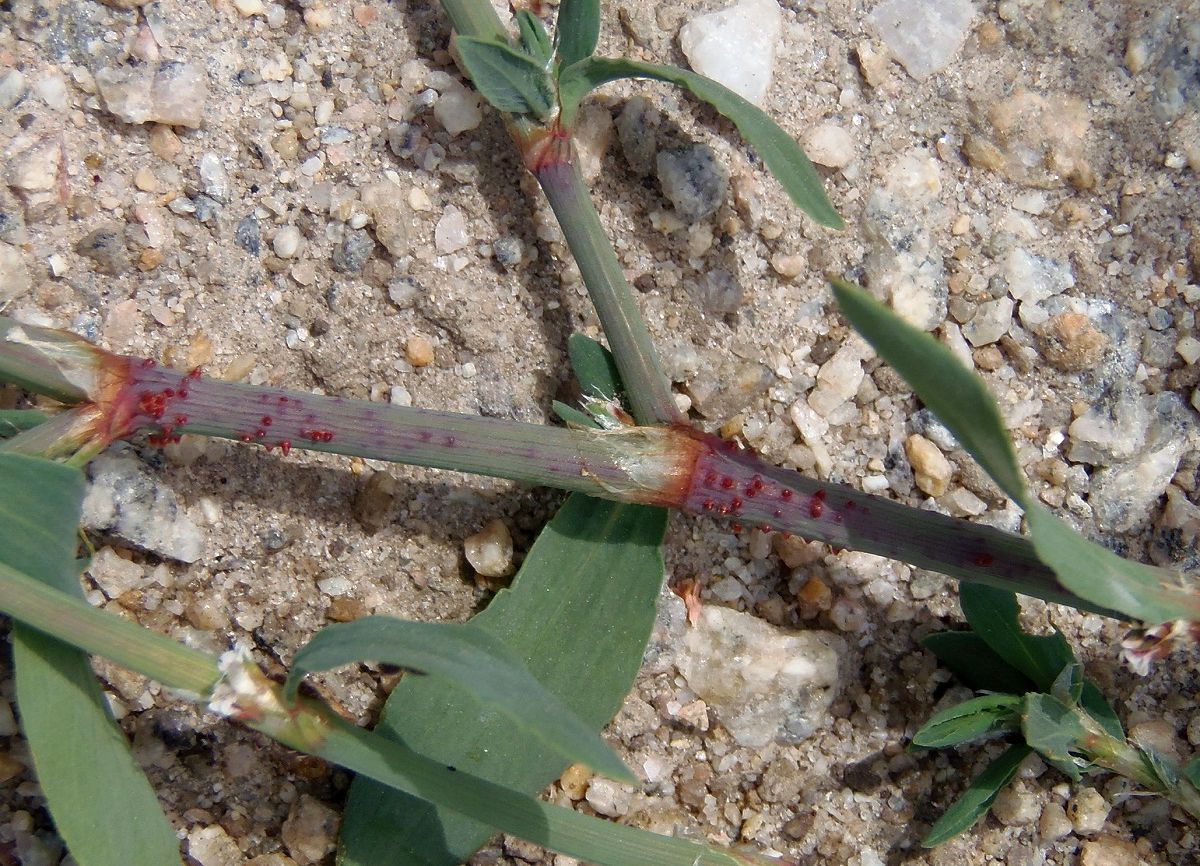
x: 764, y: 683
x: 903, y: 265
x: 247, y: 235
x: 124, y: 501
x: 353, y: 252
x: 105, y: 246
x: 924, y: 35
x: 508, y: 251
x: 637, y: 132
x: 694, y: 180
x: 1123, y: 495
x: 719, y: 291
x: 207, y: 208
x: 214, y: 180
x: 172, y: 93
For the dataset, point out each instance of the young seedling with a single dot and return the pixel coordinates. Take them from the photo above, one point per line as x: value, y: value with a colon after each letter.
x: 1034, y: 692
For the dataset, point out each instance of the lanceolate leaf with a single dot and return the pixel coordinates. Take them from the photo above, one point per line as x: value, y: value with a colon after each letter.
x: 102, y: 805
x: 963, y: 404
x: 992, y: 613
x: 969, y: 658
x: 466, y: 657
x: 594, y: 366
x: 534, y: 40
x: 1144, y: 592
x: 778, y: 150
x: 975, y: 801
x: 970, y: 720
x: 1068, y: 685
x: 509, y: 79
x: 577, y: 30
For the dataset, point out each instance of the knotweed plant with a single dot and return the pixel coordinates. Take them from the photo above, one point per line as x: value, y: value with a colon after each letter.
x: 424, y: 784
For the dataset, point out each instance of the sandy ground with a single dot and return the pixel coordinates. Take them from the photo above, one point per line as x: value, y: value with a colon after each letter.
x: 1109, y: 193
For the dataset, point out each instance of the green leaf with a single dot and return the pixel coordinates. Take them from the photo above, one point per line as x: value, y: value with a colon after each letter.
x: 13, y: 421
x: 969, y: 658
x: 1068, y: 685
x: 594, y: 367
x: 509, y: 79
x: 573, y: 416
x: 1143, y: 592
x: 1191, y: 772
x: 1095, y: 705
x: 992, y: 613
x: 960, y: 400
x: 534, y: 40
x: 976, y: 800
x: 578, y: 614
x: 577, y: 30
x: 955, y: 394
x: 970, y: 720
x: 1053, y: 729
x: 468, y: 658
x: 778, y: 150
x: 102, y: 805
x: 587, y: 838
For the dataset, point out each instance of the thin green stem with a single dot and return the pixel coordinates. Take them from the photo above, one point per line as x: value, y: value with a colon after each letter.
x: 648, y: 389
x: 33, y: 368
x: 74, y: 621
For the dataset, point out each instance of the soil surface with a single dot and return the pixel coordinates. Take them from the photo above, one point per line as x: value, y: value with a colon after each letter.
x: 1032, y: 203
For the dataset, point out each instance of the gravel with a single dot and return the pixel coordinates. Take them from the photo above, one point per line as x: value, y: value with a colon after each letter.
x: 1020, y: 179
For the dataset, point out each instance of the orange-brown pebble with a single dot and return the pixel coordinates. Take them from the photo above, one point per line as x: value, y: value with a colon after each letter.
x: 419, y: 350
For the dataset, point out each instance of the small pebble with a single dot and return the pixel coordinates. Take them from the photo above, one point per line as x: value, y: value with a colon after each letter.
x: 1109, y: 851
x: 830, y: 145
x: 1088, y: 811
x: 694, y: 180
x: 508, y: 251
x: 212, y: 846
x: 418, y: 350
x: 14, y: 275
x: 352, y: 253
x: 105, y: 246
x: 372, y: 506
x: 458, y: 109
x: 247, y: 236
x: 490, y: 551
x: 608, y: 798
x: 286, y: 242
x: 1016, y: 806
x: 931, y: 470
x: 736, y: 46
x: 310, y: 831
x: 1054, y: 823
x: 450, y: 234
x: 12, y: 88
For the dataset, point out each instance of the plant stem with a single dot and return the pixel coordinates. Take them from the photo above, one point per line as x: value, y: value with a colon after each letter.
x: 649, y: 392
x: 638, y: 464
x: 674, y: 466
x: 34, y: 368
x: 549, y: 154
x: 75, y: 621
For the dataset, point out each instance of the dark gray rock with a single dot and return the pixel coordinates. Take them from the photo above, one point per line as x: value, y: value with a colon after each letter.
x: 694, y: 180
